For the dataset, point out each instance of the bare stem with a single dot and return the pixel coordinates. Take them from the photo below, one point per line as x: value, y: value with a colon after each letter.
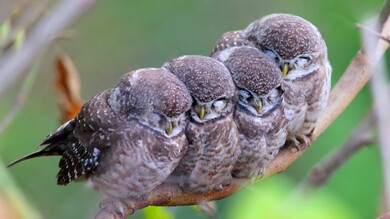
x: 15, y: 64
x: 363, y: 135
x: 356, y: 76
x: 380, y: 87
x: 19, y: 102
x: 364, y: 28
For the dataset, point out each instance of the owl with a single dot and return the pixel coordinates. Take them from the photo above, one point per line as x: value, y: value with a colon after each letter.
x: 231, y: 39
x: 298, y: 48
x: 211, y: 133
x: 259, y: 112
x: 126, y: 140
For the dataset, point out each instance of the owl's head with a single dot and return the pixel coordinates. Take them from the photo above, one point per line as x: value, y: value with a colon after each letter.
x: 209, y: 83
x: 256, y: 76
x: 231, y: 39
x: 293, y: 42
x: 155, y: 97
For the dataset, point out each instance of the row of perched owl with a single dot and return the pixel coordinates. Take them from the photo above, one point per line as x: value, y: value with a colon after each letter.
x: 199, y: 121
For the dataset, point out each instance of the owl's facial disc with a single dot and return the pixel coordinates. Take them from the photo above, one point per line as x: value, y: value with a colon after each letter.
x: 272, y: 99
x: 202, y: 112
x: 250, y: 101
x: 169, y: 126
x: 301, y: 62
x: 176, y: 124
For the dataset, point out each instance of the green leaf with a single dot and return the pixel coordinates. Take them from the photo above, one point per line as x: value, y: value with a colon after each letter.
x: 157, y: 213
x: 5, y: 29
x: 19, y: 39
x: 15, y: 196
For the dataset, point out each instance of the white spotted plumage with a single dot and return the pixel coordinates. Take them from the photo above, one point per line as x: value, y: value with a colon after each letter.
x: 298, y: 47
x: 211, y: 133
x: 259, y: 113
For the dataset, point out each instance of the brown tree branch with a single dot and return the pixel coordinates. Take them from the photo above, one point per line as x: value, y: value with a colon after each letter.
x: 61, y: 17
x: 362, y: 136
x: 354, y: 78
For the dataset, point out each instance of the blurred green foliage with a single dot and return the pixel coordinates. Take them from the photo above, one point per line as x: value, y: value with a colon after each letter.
x: 277, y: 198
x: 117, y: 36
x: 157, y: 213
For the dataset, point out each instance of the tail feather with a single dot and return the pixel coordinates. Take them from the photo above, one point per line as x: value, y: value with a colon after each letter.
x: 61, y: 133
x: 51, y: 150
x: 77, y: 161
x: 56, y: 143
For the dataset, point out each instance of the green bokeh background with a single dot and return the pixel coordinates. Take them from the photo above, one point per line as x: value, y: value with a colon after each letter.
x: 118, y: 36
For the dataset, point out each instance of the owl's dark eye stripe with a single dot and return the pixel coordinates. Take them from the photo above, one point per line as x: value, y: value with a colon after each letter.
x: 221, y: 99
x: 305, y: 57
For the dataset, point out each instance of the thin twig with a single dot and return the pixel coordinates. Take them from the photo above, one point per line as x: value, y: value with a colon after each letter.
x: 373, y: 32
x: 380, y: 88
x: 17, y: 42
x: 27, y: 15
x: 355, y: 76
x: 19, y: 102
x: 61, y: 17
x: 362, y: 136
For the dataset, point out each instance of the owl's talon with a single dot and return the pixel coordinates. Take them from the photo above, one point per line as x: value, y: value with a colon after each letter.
x: 258, y: 175
x: 218, y: 187
x: 261, y: 173
x: 209, y: 209
x: 115, y: 209
x: 300, y: 142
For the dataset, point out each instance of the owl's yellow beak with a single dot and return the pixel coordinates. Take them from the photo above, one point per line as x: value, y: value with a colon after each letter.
x: 170, y: 128
x: 202, y: 112
x: 284, y: 70
x: 259, y: 107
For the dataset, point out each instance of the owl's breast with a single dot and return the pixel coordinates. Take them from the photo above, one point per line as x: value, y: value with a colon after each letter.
x: 138, y: 161
x: 250, y: 126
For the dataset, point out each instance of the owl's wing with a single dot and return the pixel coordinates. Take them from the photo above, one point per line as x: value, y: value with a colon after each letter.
x: 76, y: 159
x: 80, y: 141
x: 92, y: 135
